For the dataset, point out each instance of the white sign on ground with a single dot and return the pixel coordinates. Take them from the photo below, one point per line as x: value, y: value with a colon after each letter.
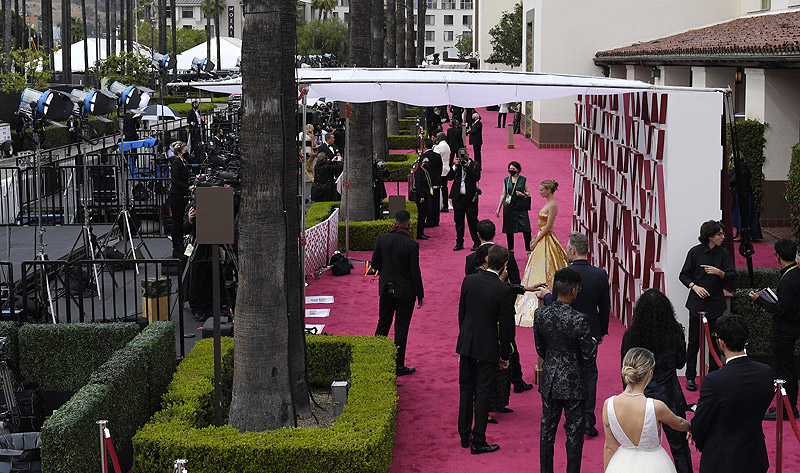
x: 318, y: 312
x: 319, y: 299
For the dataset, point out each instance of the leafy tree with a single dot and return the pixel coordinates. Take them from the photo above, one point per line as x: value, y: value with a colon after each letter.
x: 187, y: 39
x: 464, y: 44
x: 126, y: 67
x: 75, y: 30
x: 323, y: 7
x: 320, y: 37
x: 507, y: 39
x: 24, y: 72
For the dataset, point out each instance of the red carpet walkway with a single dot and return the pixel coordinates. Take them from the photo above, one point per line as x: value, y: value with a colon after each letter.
x: 427, y: 440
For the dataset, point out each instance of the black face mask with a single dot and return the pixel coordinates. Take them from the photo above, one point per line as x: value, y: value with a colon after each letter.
x: 512, y: 171
x: 425, y: 165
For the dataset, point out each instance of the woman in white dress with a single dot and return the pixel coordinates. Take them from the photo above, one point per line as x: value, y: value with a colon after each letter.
x: 633, y: 422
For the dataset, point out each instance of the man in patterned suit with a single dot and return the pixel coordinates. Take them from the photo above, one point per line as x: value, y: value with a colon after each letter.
x: 565, y: 343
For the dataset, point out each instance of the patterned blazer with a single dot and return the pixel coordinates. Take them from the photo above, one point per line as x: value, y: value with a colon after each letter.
x: 564, y: 342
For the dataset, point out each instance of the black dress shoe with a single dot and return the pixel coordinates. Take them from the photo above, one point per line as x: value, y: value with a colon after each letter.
x: 691, y: 385
x: 465, y: 441
x: 429, y: 225
x: 521, y: 388
x: 772, y: 414
x: 423, y: 237
x: 491, y: 420
x: 404, y: 370
x: 590, y: 430
x: 445, y: 210
x: 458, y: 246
x: 506, y: 410
x: 474, y: 247
x: 484, y: 449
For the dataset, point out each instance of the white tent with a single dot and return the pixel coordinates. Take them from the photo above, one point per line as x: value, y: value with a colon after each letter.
x: 430, y: 87
x: 230, y: 50
x: 76, y: 51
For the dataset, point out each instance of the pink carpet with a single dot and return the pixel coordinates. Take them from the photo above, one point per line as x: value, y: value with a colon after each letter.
x: 427, y: 440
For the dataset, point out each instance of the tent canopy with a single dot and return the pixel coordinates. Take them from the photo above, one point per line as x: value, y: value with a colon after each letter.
x: 230, y: 50
x: 76, y: 53
x: 431, y: 87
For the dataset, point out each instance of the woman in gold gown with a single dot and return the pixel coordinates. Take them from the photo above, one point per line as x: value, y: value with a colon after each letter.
x: 547, y: 255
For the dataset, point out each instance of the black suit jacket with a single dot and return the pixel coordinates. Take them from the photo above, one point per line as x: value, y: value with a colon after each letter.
x: 194, y: 118
x: 179, y: 175
x: 423, y: 189
x: 454, y: 140
x: 476, y: 133
x: 396, y: 257
x: 435, y: 166
x: 563, y: 341
x: 727, y: 424
x: 471, y: 178
x: 594, y: 299
x: 485, y: 318
x: 513, y: 269
x: 329, y: 151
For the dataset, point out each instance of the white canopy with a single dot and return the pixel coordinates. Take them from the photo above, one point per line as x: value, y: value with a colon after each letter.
x: 430, y: 87
x: 76, y: 53
x: 230, y: 50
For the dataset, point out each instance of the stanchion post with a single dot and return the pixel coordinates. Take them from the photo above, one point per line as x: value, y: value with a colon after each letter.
x: 180, y: 466
x: 103, y: 460
x: 780, y: 392
x: 703, y: 371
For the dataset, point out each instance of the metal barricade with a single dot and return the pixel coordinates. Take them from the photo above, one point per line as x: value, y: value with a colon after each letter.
x: 93, y: 189
x: 149, y: 199
x: 8, y: 309
x: 48, y: 194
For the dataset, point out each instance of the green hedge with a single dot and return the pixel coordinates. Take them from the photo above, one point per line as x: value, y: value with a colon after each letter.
x: 363, y: 235
x: 751, y: 147
x: 125, y: 390
x: 399, y: 165
x: 62, y: 357
x: 760, y: 324
x: 10, y: 330
x: 361, y: 440
x: 762, y: 277
x: 405, y: 133
x: 407, y: 124
x: 183, y: 109
x: 318, y: 212
x: 169, y: 99
x: 412, y: 112
x: 403, y: 142
x: 792, y: 194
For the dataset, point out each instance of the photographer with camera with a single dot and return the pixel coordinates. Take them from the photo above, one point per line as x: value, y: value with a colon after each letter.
x: 325, y: 171
x: 178, y: 195
x: 465, y: 174
x: 379, y: 173
x: 195, y: 121
x: 424, y: 196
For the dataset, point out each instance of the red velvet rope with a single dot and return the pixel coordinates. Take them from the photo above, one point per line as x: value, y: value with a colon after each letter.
x: 113, y: 454
x: 711, y: 345
x: 792, y: 420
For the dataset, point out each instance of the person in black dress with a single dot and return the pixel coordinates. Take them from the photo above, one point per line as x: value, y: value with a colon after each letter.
x: 655, y: 328
x: 178, y: 195
x: 324, y: 187
x: 515, y: 204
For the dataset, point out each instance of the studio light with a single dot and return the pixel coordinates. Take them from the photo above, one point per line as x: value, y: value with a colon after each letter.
x: 163, y: 61
x: 50, y: 104
x: 202, y: 65
x: 127, y: 95
x: 93, y: 102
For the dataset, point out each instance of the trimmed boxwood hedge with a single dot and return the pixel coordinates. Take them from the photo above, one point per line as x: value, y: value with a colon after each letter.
x: 62, y: 357
x: 403, y: 142
x: 125, y: 390
x: 361, y: 440
x: 399, y: 166
x: 762, y: 277
x: 412, y: 112
x: 363, y: 235
x: 183, y: 109
x: 407, y: 124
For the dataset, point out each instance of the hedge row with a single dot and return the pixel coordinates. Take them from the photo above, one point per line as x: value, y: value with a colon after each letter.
x: 399, y: 166
x: 762, y: 277
x: 183, y: 109
x: 125, y: 390
x: 407, y: 124
x: 792, y: 193
x: 361, y: 440
x: 403, y: 142
x: 363, y: 235
x: 751, y: 148
x: 412, y: 112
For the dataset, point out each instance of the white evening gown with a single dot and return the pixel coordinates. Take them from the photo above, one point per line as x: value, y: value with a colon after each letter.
x: 648, y: 456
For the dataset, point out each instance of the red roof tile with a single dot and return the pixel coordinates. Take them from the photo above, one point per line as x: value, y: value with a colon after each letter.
x: 757, y: 35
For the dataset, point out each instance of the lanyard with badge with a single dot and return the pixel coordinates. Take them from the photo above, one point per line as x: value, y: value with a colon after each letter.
x: 510, y: 192
x: 784, y: 274
x: 428, y: 178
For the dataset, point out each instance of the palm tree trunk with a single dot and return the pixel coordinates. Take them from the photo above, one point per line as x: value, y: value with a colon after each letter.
x: 66, y: 40
x: 7, y: 34
x: 162, y: 26
x: 112, y: 38
x: 360, y: 152
x: 268, y: 322
x: 130, y: 26
x: 400, y: 47
x: 47, y: 30
x: 391, y: 61
x: 380, y: 147
x: 85, y: 43
x: 108, y: 24
x: 410, y: 56
x: 208, y: 30
x: 422, y: 8
x: 216, y: 30
x: 174, y: 27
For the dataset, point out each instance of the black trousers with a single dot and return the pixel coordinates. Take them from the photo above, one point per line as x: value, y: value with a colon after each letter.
x: 551, y: 415
x: 515, y: 366
x: 470, y: 212
x: 476, y: 151
x: 526, y: 237
x: 502, y: 116
x: 423, y: 215
x: 693, y: 345
x: 784, y: 336
x: 400, y: 310
x: 591, y: 394
x: 177, y: 205
x: 679, y: 447
x: 433, y: 208
x: 443, y: 188
x: 475, y: 380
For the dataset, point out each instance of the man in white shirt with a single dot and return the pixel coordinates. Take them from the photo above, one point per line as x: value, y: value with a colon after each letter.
x: 443, y: 149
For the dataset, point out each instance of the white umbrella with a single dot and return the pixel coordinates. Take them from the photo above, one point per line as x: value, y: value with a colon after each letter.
x: 153, y: 113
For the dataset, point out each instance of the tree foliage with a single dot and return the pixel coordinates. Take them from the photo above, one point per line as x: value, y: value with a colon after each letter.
x: 793, y: 192
x: 186, y: 38
x: 28, y: 69
x: 75, y: 30
x: 323, y: 6
x: 464, y: 44
x: 210, y: 7
x: 507, y: 39
x: 320, y: 37
x: 114, y: 68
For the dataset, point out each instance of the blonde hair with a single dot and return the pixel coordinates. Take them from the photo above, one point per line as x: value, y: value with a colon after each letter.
x: 550, y: 185
x: 177, y: 146
x: 636, y: 364
x: 309, y: 129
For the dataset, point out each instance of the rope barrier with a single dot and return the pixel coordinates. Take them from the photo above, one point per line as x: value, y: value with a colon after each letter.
x: 788, y: 410
x: 710, y: 343
x: 112, y: 452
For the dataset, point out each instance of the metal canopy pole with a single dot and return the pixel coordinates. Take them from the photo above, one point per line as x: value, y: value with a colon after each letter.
x: 346, y: 186
x: 303, y: 160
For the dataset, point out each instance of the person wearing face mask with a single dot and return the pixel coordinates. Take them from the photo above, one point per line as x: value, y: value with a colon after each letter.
x: 424, y: 196
x: 178, y: 195
x: 515, y: 203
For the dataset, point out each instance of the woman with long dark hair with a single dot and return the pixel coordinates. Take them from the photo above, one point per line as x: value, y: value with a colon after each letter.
x: 655, y: 328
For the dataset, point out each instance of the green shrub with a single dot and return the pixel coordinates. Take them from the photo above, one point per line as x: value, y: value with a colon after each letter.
x: 760, y: 324
x: 10, y: 330
x: 126, y: 390
x: 399, y: 170
x: 220, y: 100
x: 403, y: 142
x: 412, y: 112
x: 62, y: 357
x: 318, y: 212
x: 405, y: 132
x: 407, y: 124
x: 400, y: 157
x: 793, y: 192
x: 168, y: 100
x: 183, y: 109
x: 762, y: 277
x: 751, y: 147
x: 364, y: 235
x: 361, y: 440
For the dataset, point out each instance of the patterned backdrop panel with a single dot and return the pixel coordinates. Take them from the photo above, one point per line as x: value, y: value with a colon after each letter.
x: 322, y: 240
x: 618, y: 177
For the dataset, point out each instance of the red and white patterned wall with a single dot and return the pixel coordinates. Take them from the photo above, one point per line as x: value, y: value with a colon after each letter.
x: 618, y: 161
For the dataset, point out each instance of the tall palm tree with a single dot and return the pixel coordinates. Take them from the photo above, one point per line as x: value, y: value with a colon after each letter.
x: 66, y: 41
x: 112, y: 35
x: 85, y: 38
x: 400, y: 48
x: 162, y: 26
x: 213, y: 7
x: 108, y: 24
x: 359, y: 162
x: 7, y: 33
x: 410, y: 56
x: 422, y: 8
x: 392, y: 126
x: 269, y: 386
x: 323, y: 7
x: 380, y: 147
x: 174, y: 26
x: 47, y: 29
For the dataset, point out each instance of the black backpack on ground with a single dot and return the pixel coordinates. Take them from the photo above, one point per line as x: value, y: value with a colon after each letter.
x: 339, y: 265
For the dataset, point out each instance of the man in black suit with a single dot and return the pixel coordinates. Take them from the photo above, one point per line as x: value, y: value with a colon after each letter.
x: 435, y: 173
x: 423, y: 195
x: 178, y: 195
x: 564, y: 342
x: 195, y: 125
x: 726, y: 426
x: 785, y: 321
x: 475, y: 133
x: 594, y: 301
x: 486, y: 328
x: 465, y: 174
x: 328, y: 148
x: 455, y: 139
x: 396, y: 258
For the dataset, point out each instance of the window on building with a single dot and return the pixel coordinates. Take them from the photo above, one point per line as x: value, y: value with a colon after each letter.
x: 187, y: 12
x: 448, y: 4
x: 466, y: 20
x: 168, y: 13
x: 448, y: 36
x: 344, y: 3
x: 466, y: 4
x: 336, y: 14
x: 347, y: 17
x: 429, y: 50
x: 432, y: 4
x: 766, y: 4
x: 430, y: 36
x: 187, y: 27
x: 448, y: 19
x: 430, y: 20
